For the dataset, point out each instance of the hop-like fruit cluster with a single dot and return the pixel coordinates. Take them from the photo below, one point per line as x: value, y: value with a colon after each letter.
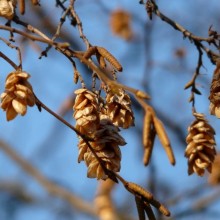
x: 18, y: 95
x: 200, y: 150
x: 214, y: 97
x: 121, y: 24
x: 119, y: 109
x: 106, y: 146
x: 86, y: 111
x: 7, y: 8
x: 92, y: 120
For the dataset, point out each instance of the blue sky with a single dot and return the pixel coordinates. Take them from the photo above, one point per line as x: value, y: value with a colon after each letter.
x: 52, y: 147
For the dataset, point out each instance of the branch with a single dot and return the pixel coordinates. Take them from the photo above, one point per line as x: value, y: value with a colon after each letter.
x: 213, y: 56
x: 50, y: 186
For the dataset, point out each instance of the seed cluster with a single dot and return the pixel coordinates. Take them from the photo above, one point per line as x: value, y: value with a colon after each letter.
x: 7, y: 8
x: 94, y: 120
x: 18, y: 95
x: 200, y: 150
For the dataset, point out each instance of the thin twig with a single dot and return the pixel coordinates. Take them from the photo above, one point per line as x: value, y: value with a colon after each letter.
x: 212, y: 55
x: 7, y: 59
x: 50, y: 186
x: 35, y: 38
x: 14, y: 47
x: 79, y: 24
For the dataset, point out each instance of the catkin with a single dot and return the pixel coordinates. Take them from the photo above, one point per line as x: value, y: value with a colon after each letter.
x: 161, y: 132
x: 139, y: 190
x: 147, y: 128
x: 140, y: 208
x: 149, y: 211
x: 111, y: 59
x: 160, y: 207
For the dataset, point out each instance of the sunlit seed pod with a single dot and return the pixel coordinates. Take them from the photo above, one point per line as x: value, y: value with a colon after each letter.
x: 6, y: 99
x: 91, y: 51
x: 19, y: 106
x: 23, y: 75
x: 79, y: 91
x: 21, y: 94
x: 198, y: 136
x: 10, y: 113
x: 198, y: 170
x: 192, y: 157
x: 110, y: 58
x: 200, y: 124
x: 82, y: 104
x: 23, y: 88
x: 200, y: 164
x: 199, y: 116
x: 190, y: 148
x: 199, y: 148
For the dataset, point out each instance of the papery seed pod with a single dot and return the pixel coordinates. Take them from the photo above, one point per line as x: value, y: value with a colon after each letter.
x: 200, y: 149
x: 120, y: 22
x: 18, y: 95
x: 119, y: 109
x: 7, y: 8
x: 110, y: 58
